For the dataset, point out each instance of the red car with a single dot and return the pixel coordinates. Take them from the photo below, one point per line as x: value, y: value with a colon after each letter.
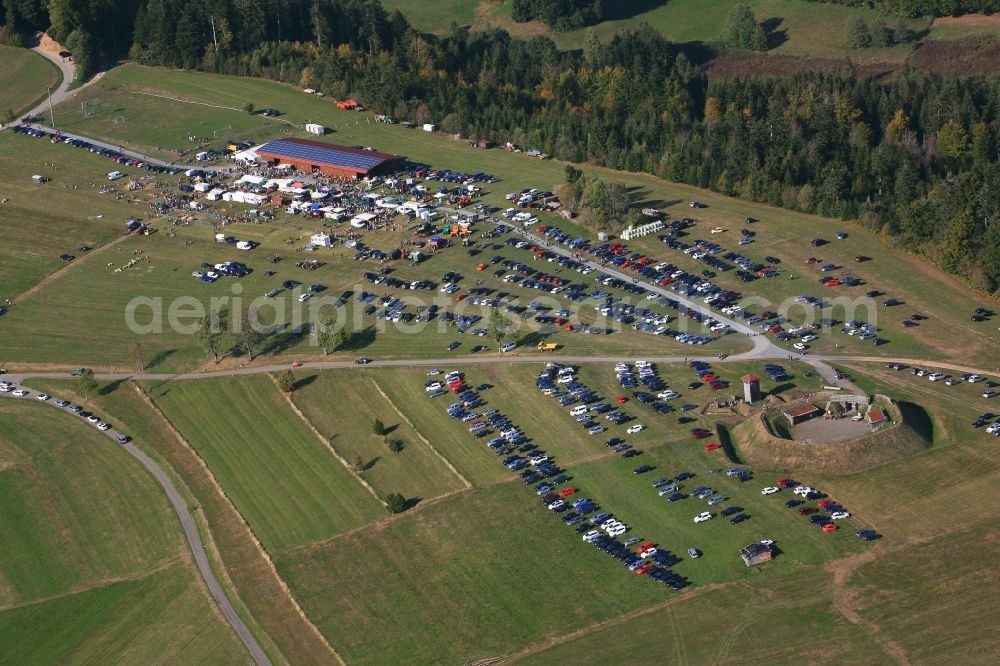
x: 860, y: 258
x: 825, y: 503
x: 806, y: 510
x: 829, y: 527
x: 812, y: 260
x: 708, y: 377
x: 620, y: 399
x: 645, y: 568
x: 647, y: 545
x: 566, y: 492
x: 782, y: 481
x: 712, y: 447
x: 296, y: 365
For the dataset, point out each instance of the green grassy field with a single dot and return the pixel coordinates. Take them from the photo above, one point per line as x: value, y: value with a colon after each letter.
x: 157, y: 618
x: 93, y: 566
x: 963, y: 27
x: 344, y: 407
x: 38, y: 223
x: 23, y: 80
x: 75, y: 510
x: 254, y: 589
x: 795, y: 27
x: 781, y: 620
x: 287, y: 484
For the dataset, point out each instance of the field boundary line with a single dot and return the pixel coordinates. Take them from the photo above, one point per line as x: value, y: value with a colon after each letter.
x: 382, y: 522
x: 184, y: 101
x: 407, y: 421
x: 52, y: 277
x: 158, y: 568
x: 214, y: 106
x: 258, y: 546
x: 325, y: 441
x: 615, y: 621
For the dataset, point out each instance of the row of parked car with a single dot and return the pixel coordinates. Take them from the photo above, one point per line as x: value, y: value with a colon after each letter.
x: 113, y: 155
x: 536, y: 467
x: 826, y: 512
x: 950, y: 380
x: 19, y: 392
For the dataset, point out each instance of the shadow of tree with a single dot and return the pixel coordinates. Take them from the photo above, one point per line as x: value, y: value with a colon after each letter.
x: 110, y: 387
x: 159, y: 358
x: 304, y: 381
x: 360, y: 339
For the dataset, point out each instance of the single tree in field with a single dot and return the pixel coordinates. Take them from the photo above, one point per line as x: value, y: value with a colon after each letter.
x: 248, y: 107
x: 378, y: 428
x: 395, y: 445
x: 499, y: 328
x: 395, y: 503
x: 210, y: 336
x: 87, y: 382
x: 249, y: 334
x: 329, y: 337
x: 286, y: 381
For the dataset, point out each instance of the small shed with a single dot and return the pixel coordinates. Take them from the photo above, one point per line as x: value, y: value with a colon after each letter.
x: 797, y: 415
x: 876, y: 417
x: 756, y: 553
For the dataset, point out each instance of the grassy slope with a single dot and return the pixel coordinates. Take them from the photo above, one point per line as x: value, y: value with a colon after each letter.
x: 23, y: 80
x: 255, y: 590
x: 40, y: 222
x: 798, y: 28
x: 160, y: 618
x: 73, y: 508
x: 935, y: 579
x: 344, y: 407
x: 93, y: 565
x: 962, y: 27
x: 780, y: 621
x: 279, y: 475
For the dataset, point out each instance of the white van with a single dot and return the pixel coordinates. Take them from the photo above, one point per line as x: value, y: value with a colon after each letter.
x: 579, y: 410
x: 115, y: 175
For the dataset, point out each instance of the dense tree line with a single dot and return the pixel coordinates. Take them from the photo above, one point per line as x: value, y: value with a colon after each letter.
x: 559, y: 14
x: 918, y: 8
x: 862, y: 34
x: 914, y: 157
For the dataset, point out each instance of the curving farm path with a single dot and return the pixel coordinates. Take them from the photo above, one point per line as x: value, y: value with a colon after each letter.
x: 190, y: 534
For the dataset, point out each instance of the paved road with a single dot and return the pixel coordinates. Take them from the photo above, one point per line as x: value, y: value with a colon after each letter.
x: 190, y: 533
x: 818, y: 362
x: 762, y: 346
x: 62, y: 92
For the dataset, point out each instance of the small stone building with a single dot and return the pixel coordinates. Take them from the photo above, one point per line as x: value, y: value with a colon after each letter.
x: 797, y: 415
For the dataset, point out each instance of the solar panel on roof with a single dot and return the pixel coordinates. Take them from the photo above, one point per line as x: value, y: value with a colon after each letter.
x: 318, y: 155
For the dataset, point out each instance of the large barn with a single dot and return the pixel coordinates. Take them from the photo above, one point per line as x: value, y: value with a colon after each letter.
x: 331, y: 160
